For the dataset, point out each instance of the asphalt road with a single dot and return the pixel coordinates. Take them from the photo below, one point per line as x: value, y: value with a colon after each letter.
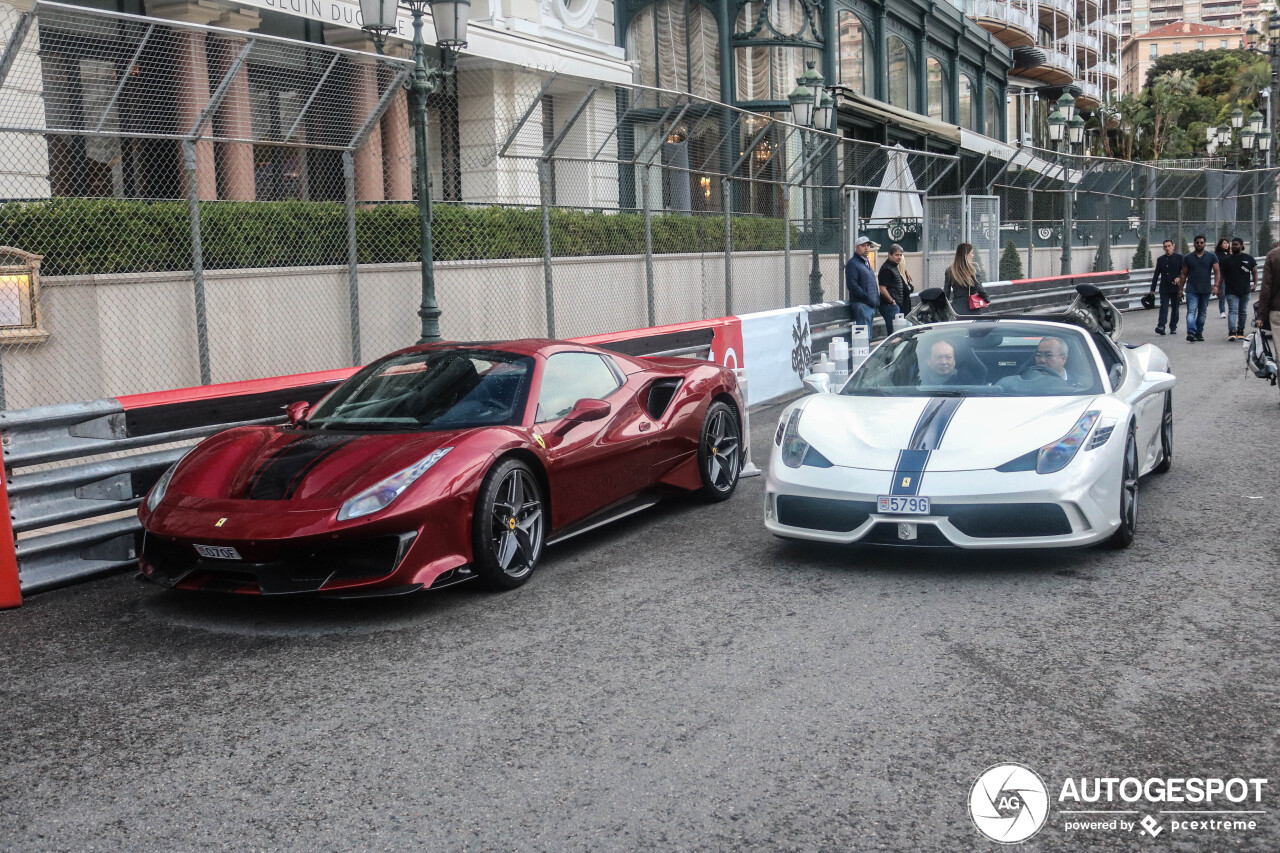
x: 681, y: 681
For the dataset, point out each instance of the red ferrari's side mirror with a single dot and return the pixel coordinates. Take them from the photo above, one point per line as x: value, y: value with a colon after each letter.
x: 587, y: 409
x: 296, y: 412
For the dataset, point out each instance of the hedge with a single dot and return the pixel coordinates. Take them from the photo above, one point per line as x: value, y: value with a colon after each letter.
x: 84, y: 236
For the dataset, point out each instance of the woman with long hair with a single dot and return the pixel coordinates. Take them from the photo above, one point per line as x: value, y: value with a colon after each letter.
x: 1223, y: 251
x: 960, y: 281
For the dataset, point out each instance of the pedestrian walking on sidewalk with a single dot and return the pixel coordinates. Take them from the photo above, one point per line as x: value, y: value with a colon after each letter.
x: 1168, y: 278
x: 860, y: 282
x: 1223, y: 250
x: 1239, y: 279
x: 1203, y: 278
x: 961, y: 284
x: 894, y: 290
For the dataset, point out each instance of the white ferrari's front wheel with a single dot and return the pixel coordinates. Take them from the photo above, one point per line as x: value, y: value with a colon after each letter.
x: 1123, y: 537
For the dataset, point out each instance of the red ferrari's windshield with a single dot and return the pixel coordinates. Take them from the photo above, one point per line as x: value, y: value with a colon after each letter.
x: 430, y: 389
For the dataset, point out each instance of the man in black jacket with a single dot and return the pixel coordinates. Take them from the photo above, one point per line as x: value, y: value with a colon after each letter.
x: 1168, y: 277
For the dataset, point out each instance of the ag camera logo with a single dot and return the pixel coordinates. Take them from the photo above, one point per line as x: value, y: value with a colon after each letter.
x: 1009, y: 803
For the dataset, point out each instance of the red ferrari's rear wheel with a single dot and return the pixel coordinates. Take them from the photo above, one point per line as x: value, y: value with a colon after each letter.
x: 507, y: 528
x: 719, y: 452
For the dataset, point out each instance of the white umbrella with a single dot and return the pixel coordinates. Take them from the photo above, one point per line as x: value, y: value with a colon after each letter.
x: 898, y: 197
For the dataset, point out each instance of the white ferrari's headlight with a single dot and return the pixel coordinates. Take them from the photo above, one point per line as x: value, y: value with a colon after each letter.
x: 795, y: 450
x: 378, y: 496
x: 1054, y: 457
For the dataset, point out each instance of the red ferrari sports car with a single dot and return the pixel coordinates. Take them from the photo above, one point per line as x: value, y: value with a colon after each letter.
x: 440, y: 463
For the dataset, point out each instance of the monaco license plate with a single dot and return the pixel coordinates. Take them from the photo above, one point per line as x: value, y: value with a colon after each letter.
x: 217, y: 552
x: 904, y: 505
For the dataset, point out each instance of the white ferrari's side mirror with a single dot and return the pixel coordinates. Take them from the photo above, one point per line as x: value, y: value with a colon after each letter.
x: 818, y: 382
x: 1155, y: 380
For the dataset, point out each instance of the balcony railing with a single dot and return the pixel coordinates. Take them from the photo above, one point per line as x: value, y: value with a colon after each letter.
x: 1066, y: 8
x: 1082, y: 39
x: 1109, y: 68
x: 1109, y: 28
x: 1090, y: 89
x: 1003, y: 10
x: 1060, y: 59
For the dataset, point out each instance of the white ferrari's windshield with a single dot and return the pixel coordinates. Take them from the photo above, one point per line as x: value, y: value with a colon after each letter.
x: 993, y: 359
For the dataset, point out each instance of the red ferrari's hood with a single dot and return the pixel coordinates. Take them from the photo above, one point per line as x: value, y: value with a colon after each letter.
x: 276, y: 464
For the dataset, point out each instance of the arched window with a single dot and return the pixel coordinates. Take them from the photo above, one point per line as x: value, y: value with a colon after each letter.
x: 939, y: 91
x: 992, y: 117
x: 766, y: 72
x: 968, y: 104
x: 857, y: 58
x: 675, y: 51
x: 901, y: 80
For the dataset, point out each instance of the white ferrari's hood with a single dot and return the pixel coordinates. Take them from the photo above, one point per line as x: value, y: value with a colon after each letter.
x: 961, y: 433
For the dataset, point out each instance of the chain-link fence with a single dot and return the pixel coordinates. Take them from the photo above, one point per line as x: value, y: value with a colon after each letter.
x: 210, y: 205
x: 1115, y: 214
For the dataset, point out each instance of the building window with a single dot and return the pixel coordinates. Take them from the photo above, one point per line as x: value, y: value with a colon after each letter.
x: 993, y: 114
x: 968, y: 105
x: 1177, y: 47
x: 1200, y: 45
x: 766, y: 72
x: 939, y: 92
x: 901, y: 80
x: 1222, y: 44
x: 678, y: 47
x: 857, y: 59
x: 1155, y: 51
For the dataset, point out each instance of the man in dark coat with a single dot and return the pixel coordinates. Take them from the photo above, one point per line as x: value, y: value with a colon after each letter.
x: 1168, y: 277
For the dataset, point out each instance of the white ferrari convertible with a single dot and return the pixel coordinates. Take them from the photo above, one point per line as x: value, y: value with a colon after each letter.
x: 1026, y: 432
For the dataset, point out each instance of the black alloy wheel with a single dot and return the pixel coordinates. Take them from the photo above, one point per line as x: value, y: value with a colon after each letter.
x: 1166, y: 436
x: 719, y: 452
x: 507, y: 530
x: 1123, y: 537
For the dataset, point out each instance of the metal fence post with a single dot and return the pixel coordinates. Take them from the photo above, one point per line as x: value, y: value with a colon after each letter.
x: 1067, y: 202
x: 728, y: 246
x: 924, y: 241
x: 1031, y: 233
x: 786, y: 243
x: 1179, y: 246
x: 197, y: 260
x: 353, y: 258
x: 650, y: 296
x: 544, y: 191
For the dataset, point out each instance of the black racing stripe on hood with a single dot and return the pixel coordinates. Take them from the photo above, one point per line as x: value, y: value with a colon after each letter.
x: 281, y: 474
x: 933, y: 423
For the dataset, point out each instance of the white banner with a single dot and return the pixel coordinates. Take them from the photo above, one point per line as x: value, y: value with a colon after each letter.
x: 776, y: 352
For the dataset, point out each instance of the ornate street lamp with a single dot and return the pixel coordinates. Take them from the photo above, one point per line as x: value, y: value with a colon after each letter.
x: 1056, y: 122
x: 1075, y: 130
x: 1224, y: 135
x: 1237, y: 118
x: 1067, y: 105
x: 450, y: 19
x: 1264, y: 141
x: 1246, y: 138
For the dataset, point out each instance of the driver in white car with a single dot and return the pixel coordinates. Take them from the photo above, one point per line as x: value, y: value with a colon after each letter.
x: 1052, y: 354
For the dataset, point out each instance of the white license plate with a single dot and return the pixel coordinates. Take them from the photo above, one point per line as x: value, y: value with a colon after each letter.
x: 904, y: 504
x: 217, y: 552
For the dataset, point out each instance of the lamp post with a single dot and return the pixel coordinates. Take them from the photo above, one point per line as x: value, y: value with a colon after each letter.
x: 1058, y: 122
x: 1268, y: 45
x: 812, y: 107
x: 450, y: 19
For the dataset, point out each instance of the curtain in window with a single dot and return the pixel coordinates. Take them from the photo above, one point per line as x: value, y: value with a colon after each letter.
x: 900, y: 76
x: 856, y: 59
x: 678, y: 46
x: 967, y: 106
x: 939, y: 107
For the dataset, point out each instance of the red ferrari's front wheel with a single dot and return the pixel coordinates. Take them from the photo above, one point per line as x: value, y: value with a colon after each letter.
x: 508, y: 525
